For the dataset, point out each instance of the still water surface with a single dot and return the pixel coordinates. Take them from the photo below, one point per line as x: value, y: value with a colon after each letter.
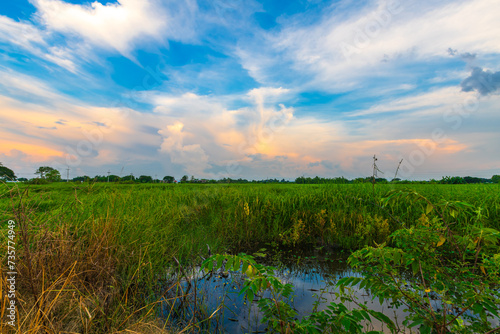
x: 312, y: 272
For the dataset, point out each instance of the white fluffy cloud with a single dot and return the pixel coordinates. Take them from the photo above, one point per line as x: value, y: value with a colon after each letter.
x: 121, y: 27
x: 115, y: 25
x: 192, y: 157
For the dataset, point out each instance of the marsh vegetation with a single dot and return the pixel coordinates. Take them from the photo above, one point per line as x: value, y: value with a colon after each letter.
x: 95, y: 258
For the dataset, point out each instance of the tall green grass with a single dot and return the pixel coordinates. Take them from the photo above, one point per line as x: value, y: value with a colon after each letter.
x: 112, y: 242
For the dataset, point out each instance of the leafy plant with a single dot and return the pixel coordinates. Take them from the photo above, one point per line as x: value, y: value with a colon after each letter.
x: 447, y: 278
x: 278, y: 313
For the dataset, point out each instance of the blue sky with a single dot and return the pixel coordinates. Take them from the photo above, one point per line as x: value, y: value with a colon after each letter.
x: 250, y: 89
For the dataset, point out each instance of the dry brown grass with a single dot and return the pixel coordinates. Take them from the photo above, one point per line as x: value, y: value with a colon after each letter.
x: 68, y: 282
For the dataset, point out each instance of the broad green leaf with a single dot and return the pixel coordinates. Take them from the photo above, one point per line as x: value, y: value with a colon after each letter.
x: 250, y: 295
x: 346, y: 323
x: 414, y: 267
x: 397, y: 257
x: 229, y: 264
x: 492, y: 308
x: 442, y: 239
x: 425, y: 329
x: 416, y: 323
x: 236, y: 264
x: 219, y: 261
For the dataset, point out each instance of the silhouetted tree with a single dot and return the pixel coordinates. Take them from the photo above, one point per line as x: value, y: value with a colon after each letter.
x: 114, y: 178
x: 128, y: 178
x: 452, y: 180
x: 53, y: 175
x: 145, y: 179
x: 169, y: 179
x: 42, y: 171
x: 48, y: 173
x: 7, y: 174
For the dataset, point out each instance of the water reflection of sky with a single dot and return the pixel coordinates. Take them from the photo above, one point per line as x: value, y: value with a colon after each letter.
x: 312, y: 277
x: 310, y: 286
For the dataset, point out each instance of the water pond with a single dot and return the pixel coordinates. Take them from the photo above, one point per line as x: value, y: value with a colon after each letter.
x: 312, y: 271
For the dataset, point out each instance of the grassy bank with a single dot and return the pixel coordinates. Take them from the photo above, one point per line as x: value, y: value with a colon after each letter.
x: 87, y: 254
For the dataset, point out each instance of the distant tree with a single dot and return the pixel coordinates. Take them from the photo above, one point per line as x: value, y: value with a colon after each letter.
x: 452, y: 180
x: 113, y: 178
x: 7, y: 174
x: 128, y: 178
x: 184, y: 179
x: 100, y: 178
x: 84, y: 178
x: 106, y: 178
x: 338, y: 180
x: 471, y: 179
x: 22, y: 179
x: 495, y: 179
x: 145, y: 179
x: 169, y: 179
x: 53, y: 176
x: 300, y: 180
x: 42, y: 171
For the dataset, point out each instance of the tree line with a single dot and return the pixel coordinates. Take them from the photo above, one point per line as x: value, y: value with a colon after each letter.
x: 46, y: 174
x: 371, y: 179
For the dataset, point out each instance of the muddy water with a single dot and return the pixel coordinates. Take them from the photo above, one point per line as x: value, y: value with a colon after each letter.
x: 312, y: 272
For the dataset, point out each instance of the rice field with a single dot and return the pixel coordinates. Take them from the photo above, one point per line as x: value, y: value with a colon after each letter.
x: 89, y: 256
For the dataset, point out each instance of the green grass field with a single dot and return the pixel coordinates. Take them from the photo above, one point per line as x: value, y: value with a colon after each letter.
x: 87, y: 254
